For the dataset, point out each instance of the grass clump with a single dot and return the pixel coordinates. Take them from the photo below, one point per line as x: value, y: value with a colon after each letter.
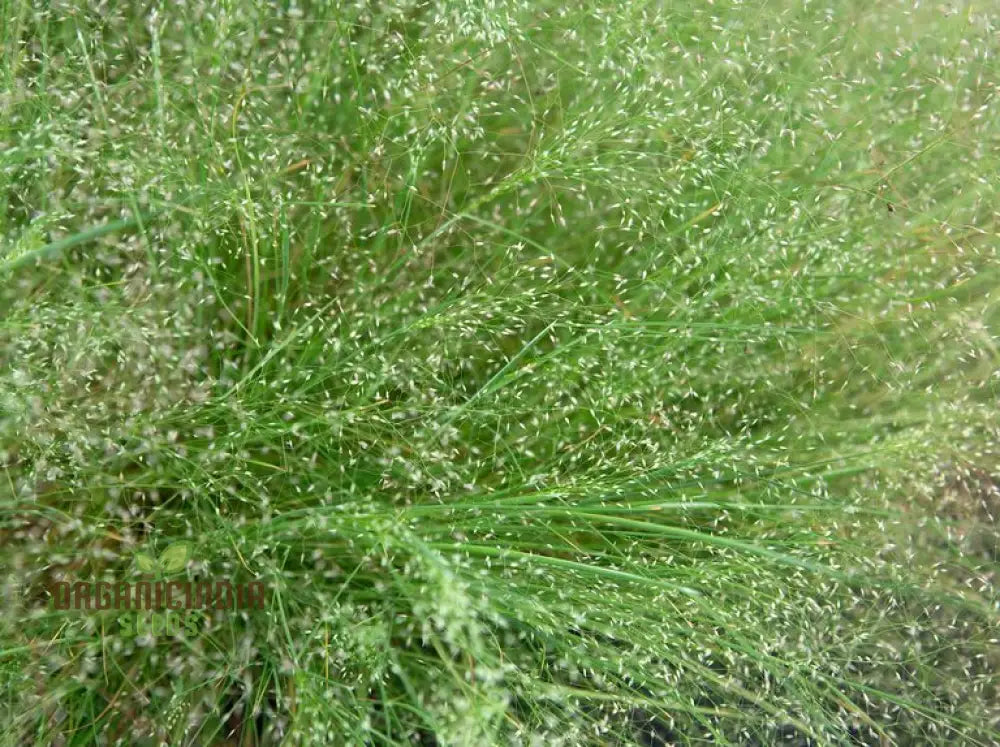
x: 570, y: 374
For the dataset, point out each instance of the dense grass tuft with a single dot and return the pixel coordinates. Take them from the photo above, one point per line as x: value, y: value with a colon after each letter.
x: 571, y: 373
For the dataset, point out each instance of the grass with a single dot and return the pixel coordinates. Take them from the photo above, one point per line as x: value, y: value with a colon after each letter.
x: 570, y: 374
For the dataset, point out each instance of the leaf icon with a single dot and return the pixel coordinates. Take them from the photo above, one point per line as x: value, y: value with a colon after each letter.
x: 175, y: 557
x: 145, y: 562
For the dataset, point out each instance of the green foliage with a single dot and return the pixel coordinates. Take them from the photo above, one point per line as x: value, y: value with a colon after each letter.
x: 570, y: 373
